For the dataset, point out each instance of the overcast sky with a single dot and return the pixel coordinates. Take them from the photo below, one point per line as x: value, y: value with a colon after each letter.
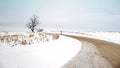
x: 77, y: 15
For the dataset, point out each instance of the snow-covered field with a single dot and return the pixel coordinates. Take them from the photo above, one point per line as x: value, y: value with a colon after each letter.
x: 41, y: 53
x: 44, y: 50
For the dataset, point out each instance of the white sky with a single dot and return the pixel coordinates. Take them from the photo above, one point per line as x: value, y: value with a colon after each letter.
x: 79, y: 15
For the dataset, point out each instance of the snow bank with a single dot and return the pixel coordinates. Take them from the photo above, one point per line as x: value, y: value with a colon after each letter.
x: 52, y: 54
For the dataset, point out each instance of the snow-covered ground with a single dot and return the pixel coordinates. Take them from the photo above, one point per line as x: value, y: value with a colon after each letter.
x: 39, y: 54
x: 41, y: 50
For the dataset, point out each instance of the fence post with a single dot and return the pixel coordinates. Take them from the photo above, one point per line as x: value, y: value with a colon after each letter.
x: 60, y: 32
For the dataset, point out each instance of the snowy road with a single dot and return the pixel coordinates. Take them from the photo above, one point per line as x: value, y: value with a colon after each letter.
x: 95, y: 55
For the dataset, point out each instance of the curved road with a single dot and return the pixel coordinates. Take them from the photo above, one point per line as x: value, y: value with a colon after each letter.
x: 109, y: 51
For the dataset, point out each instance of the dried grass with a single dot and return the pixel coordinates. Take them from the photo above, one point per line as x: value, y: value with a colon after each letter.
x: 31, y: 35
x: 22, y: 39
x: 55, y: 36
x: 23, y: 42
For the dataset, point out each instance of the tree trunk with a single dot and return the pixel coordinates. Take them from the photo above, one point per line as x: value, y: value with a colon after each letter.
x: 32, y: 30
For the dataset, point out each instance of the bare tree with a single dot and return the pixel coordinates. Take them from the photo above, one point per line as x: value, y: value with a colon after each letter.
x: 33, y: 23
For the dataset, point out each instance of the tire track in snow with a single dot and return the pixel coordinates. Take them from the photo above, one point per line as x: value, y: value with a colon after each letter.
x: 88, y: 57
